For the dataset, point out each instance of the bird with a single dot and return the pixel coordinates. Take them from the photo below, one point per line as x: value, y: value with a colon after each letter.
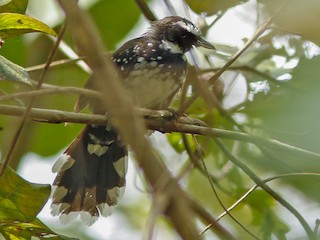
x: 91, y: 172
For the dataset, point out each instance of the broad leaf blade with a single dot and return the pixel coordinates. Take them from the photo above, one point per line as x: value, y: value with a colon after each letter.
x: 13, y: 6
x: 13, y: 72
x: 14, y: 24
x: 20, y: 200
x: 121, y: 18
x: 212, y: 6
x: 25, y: 231
x: 4, y: 2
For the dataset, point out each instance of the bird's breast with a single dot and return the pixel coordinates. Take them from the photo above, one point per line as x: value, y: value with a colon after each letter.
x: 153, y: 84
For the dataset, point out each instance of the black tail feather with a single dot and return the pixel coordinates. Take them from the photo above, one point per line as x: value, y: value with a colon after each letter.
x: 91, y: 174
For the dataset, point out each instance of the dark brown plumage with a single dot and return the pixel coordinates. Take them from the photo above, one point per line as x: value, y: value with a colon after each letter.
x: 91, y: 172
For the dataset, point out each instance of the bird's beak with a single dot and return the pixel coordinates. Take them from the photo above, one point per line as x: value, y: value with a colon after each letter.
x: 204, y: 43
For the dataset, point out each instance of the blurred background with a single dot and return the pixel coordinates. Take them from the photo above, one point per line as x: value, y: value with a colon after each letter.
x: 271, y: 91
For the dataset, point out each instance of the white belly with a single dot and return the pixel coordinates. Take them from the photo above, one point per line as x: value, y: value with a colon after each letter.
x: 152, y: 90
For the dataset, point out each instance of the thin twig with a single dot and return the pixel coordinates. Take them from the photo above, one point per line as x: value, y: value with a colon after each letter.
x: 159, y: 205
x: 146, y: 10
x: 244, y: 196
x: 206, y: 218
x: 266, y: 188
x: 126, y: 120
x: 252, y: 70
x: 256, y: 35
x: 156, y: 120
x: 53, y: 64
x: 21, y: 125
x: 170, y: 7
x: 52, y: 90
x: 269, y: 179
x: 216, y: 193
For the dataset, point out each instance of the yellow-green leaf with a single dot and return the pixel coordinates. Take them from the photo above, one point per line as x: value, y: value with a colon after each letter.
x: 212, y: 6
x: 13, y: 6
x: 11, y: 230
x: 20, y: 200
x: 4, y: 2
x: 14, y: 24
x: 300, y: 17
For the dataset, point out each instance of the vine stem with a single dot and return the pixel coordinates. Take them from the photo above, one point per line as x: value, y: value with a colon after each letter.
x: 22, y: 123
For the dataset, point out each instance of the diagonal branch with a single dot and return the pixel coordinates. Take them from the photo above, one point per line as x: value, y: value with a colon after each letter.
x: 129, y: 125
x: 162, y: 121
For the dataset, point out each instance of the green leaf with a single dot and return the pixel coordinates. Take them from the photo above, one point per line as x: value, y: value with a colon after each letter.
x: 13, y: 72
x: 291, y: 116
x: 20, y: 200
x: 14, y: 24
x: 212, y: 6
x: 11, y: 230
x: 296, y: 16
x: 175, y: 139
x: 4, y: 2
x: 52, y: 137
x: 13, y: 6
x: 261, y: 205
x: 121, y: 17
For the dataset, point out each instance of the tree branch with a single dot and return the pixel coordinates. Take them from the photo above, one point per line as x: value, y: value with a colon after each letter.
x: 146, y: 11
x: 162, y: 121
x: 127, y: 122
x: 165, y: 122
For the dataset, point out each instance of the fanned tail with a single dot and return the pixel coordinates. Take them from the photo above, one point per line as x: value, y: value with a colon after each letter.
x: 90, y: 175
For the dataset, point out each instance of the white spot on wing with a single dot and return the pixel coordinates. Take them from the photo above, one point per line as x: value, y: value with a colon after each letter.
x: 63, y: 163
x: 97, y: 149
x: 140, y: 59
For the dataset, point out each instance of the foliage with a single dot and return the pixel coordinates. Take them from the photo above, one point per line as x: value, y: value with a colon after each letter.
x: 20, y: 203
x: 270, y: 91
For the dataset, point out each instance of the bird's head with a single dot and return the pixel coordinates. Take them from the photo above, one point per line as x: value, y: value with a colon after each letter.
x: 179, y: 34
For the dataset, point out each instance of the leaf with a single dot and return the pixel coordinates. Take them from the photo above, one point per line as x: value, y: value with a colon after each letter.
x: 13, y: 6
x: 261, y: 204
x: 13, y: 72
x: 20, y: 200
x: 300, y: 17
x: 175, y: 140
x: 120, y: 19
x: 212, y: 6
x: 291, y: 116
x: 4, y: 2
x: 24, y: 231
x: 14, y: 24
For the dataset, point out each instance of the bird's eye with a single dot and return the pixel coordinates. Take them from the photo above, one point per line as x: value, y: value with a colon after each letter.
x: 184, y: 36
